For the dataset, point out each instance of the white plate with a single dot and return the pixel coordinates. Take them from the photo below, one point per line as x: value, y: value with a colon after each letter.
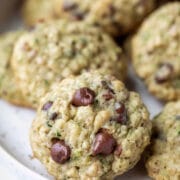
x: 15, y: 151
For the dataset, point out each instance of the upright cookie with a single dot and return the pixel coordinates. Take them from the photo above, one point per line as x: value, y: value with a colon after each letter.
x: 34, y: 11
x: 156, y: 52
x: 164, y: 160
x: 90, y: 127
x: 59, y: 49
x: 116, y: 17
x: 9, y: 90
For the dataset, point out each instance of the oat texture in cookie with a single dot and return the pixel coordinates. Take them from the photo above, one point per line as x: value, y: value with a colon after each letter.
x: 90, y: 127
x: 58, y: 49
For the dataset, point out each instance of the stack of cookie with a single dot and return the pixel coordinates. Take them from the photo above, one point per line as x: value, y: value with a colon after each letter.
x: 68, y: 67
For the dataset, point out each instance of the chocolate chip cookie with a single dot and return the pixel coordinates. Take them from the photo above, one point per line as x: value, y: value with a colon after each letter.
x: 90, y: 127
x: 34, y: 11
x: 164, y: 160
x: 116, y: 17
x: 156, y: 52
x: 59, y: 49
x: 9, y: 89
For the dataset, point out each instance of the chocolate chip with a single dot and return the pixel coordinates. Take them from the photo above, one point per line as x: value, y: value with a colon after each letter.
x: 118, y: 150
x: 83, y: 97
x: 60, y: 152
x: 104, y: 144
x: 53, y: 116
x: 68, y: 5
x: 47, y: 106
x: 164, y: 73
x: 54, y: 140
x: 121, y: 113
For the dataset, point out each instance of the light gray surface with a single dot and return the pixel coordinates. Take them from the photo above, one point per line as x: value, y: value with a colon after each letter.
x: 15, y: 153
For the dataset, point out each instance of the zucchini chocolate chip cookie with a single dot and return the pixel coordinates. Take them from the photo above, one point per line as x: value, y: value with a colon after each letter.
x: 34, y: 11
x: 114, y: 16
x: 164, y: 160
x: 90, y: 127
x: 9, y: 89
x: 58, y: 49
x: 156, y: 52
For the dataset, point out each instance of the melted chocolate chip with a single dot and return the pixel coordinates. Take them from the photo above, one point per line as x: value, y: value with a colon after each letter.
x: 54, y: 140
x: 164, y: 73
x: 60, y: 152
x: 104, y: 144
x: 118, y: 150
x: 53, y: 116
x: 47, y: 106
x: 83, y: 97
x: 121, y: 113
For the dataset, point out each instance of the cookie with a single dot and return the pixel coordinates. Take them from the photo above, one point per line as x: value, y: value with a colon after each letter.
x: 9, y: 90
x: 164, y: 160
x: 34, y: 11
x: 156, y: 52
x: 116, y: 17
x: 90, y: 127
x: 58, y: 49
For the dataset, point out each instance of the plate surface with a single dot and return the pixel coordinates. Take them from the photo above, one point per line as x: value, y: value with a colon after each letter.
x: 15, y: 122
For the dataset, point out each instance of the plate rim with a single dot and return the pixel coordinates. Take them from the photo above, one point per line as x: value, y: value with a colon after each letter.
x: 20, y: 165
